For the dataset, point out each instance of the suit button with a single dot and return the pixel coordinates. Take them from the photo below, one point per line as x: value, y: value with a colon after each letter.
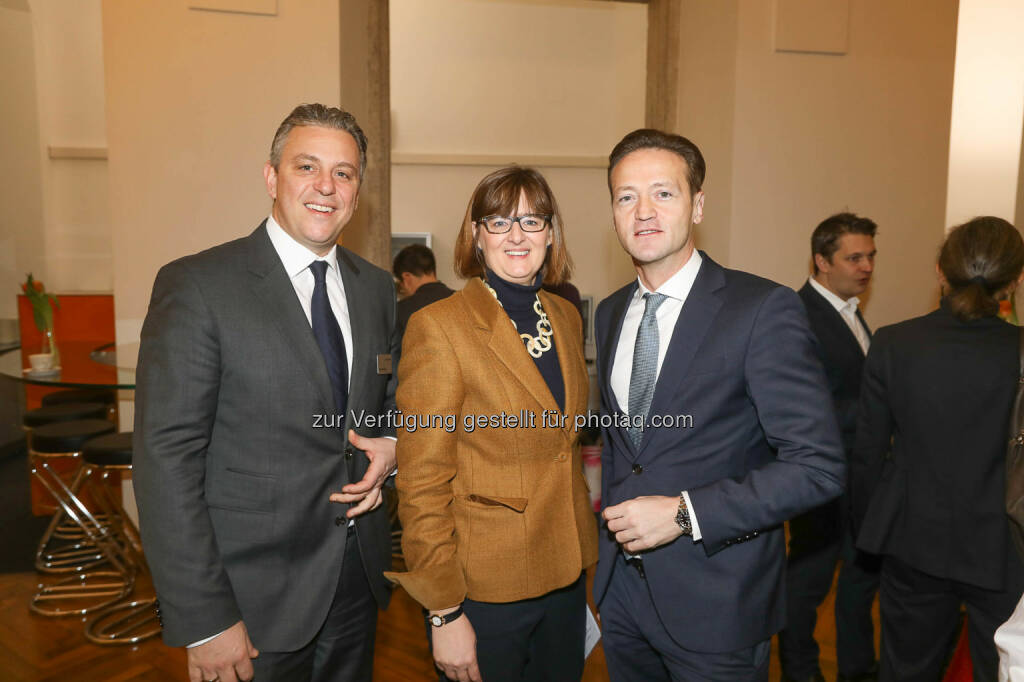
x: 348, y: 453
x: 560, y: 458
x: 638, y: 469
x: 339, y: 520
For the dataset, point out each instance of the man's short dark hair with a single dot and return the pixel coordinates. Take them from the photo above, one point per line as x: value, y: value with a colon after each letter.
x: 825, y: 238
x: 649, y: 138
x: 416, y: 259
x: 325, y: 117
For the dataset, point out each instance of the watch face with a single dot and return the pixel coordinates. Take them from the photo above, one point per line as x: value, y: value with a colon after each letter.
x: 436, y: 621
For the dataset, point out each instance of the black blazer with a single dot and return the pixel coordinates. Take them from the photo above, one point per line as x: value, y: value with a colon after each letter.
x: 841, y: 356
x: 762, y: 447
x: 941, y: 390
x: 422, y: 297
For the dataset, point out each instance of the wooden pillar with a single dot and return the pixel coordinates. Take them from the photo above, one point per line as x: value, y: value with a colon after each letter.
x: 662, y: 64
x: 366, y: 92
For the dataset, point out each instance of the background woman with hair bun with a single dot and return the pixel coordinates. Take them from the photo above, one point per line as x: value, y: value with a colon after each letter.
x: 928, y: 469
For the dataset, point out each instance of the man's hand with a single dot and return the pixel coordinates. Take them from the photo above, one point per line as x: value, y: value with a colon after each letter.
x: 644, y: 522
x: 224, y: 658
x: 366, y: 494
x: 454, y: 646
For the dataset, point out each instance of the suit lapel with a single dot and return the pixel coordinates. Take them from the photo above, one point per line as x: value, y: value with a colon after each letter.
x: 835, y: 318
x: 275, y: 291
x: 569, y: 354
x: 360, y: 319
x: 616, y: 316
x: 695, y: 319
x: 506, y: 344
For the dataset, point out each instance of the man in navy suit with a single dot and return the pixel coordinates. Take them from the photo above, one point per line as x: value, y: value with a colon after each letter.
x: 843, y: 248
x: 718, y: 428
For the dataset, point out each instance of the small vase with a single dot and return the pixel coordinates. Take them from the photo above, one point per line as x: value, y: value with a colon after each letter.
x: 50, y: 346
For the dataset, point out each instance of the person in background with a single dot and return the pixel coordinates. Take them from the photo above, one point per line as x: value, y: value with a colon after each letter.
x: 843, y: 249
x: 415, y: 271
x: 498, y: 528
x: 928, y: 466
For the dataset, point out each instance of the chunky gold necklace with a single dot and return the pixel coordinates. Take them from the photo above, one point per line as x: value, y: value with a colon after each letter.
x: 536, y: 346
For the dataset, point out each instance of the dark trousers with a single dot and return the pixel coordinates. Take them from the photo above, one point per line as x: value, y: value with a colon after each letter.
x: 533, y: 640
x: 342, y: 650
x: 920, y: 615
x: 817, y: 540
x: 638, y: 648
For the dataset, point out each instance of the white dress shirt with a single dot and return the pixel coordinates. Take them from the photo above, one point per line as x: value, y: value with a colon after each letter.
x: 676, y: 288
x: 848, y: 311
x: 1010, y: 643
x: 296, y: 259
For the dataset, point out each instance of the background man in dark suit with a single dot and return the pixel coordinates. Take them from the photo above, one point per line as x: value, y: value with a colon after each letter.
x: 843, y: 249
x: 732, y: 352
x: 244, y: 398
x: 415, y: 270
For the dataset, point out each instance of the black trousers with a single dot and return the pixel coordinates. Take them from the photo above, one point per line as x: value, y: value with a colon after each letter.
x: 342, y: 650
x: 920, y: 615
x: 819, y: 539
x: 533, y: 640
x: 638, y: 648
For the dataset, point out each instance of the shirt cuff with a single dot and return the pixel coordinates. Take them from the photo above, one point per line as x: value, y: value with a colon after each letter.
x: 693, y: 517
x: 204, y: 641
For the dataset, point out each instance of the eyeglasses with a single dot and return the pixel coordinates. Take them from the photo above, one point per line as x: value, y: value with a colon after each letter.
x: 496, y: 224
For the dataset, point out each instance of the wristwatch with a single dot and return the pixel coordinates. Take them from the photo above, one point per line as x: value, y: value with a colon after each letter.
x: 438, y: 621
x: 683, y: 516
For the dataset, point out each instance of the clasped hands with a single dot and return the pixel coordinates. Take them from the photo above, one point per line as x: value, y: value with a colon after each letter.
x: 644, y: 522
x: 366, y: 495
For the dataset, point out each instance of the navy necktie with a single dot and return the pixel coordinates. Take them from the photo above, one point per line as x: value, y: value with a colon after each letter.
x: 328, y: 336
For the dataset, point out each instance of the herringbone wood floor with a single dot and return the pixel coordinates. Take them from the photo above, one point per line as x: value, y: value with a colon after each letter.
x: 36, y: 649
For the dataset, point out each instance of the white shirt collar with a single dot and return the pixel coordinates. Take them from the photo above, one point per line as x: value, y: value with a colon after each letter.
x: 294, y: 256
x: 678, y: 285
x: 839, y: 304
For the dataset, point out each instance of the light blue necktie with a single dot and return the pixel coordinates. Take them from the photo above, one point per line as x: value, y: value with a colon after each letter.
x: 645, y: 364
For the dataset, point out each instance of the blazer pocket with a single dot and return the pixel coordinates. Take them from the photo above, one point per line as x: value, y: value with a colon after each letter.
x: 241, y: 490
x: 516, y: 504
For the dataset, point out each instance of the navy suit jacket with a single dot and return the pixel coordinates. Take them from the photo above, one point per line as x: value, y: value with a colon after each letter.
x: 842, y: 357
x: 763, y: 447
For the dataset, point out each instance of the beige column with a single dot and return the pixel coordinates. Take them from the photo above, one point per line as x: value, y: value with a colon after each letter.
x: 365, y: 91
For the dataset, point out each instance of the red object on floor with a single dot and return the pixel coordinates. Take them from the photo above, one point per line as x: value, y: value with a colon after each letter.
x: 960, y: 668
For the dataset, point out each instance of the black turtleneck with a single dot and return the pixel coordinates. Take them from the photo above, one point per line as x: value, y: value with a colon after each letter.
x: 518, y: 300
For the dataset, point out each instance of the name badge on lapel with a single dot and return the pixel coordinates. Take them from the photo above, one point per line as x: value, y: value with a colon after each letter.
x: 384, y: 363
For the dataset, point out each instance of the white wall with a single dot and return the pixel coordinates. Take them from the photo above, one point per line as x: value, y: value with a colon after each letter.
x: 988, y: 107
x: 193, y: 100
x: 518, y: 80
x: 21, y: 229
x: 867, y: 131
x: 68, y: 49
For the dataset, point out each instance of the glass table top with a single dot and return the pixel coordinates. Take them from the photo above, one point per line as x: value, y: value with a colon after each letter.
x: 84, y: 364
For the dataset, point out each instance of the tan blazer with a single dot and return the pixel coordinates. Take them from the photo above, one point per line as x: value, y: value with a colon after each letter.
x: 495, y: 513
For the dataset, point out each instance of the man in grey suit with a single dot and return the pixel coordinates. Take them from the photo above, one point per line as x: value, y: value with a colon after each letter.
x: 259, y: 518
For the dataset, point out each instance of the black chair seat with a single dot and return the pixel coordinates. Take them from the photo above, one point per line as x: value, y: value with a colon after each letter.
x: 64, y: 413
x: 81, y: 395
x: 68, y: 436
x: 114, y: 449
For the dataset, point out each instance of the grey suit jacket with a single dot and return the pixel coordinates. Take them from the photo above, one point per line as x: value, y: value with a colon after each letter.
x: 232, y: 475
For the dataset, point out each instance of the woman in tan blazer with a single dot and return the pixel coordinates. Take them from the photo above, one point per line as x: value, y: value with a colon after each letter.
x: 498, y: 527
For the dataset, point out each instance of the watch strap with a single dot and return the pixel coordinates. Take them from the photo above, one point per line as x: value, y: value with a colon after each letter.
x: 440, y: 621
